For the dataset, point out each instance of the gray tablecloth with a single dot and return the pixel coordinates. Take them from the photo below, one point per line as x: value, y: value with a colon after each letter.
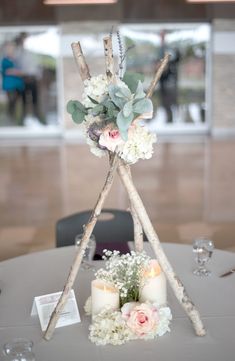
x: 45, y: 272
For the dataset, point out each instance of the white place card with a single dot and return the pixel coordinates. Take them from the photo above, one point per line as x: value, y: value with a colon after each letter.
x: 43, y: 306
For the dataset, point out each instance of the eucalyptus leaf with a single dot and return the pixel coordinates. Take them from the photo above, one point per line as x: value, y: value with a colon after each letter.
x: 118, y: 101
x: 131, y: 80
x: 123, y: 93
x: 99, y: 108
x: 143, y: 106
x: 78, y: 116
x: 73, y: 105
x: 92, y: 100
x: 110, y: 106
x: 128, y: 108
x: 139, y: 93
x: 124, y: 134
x: 123, y: 123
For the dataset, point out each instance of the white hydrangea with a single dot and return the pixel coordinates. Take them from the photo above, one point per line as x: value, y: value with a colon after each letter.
x: 165, y: 316
x: 96, y: 87
x: 138, y: 146
x: 109, y: 327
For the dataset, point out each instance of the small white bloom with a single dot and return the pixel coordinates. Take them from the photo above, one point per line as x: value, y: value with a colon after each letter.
x: 139, y: 145
x: 96, y: 88
x: 109, y: 327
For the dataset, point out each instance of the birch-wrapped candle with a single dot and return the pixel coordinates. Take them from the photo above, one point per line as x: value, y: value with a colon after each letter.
x: 153, y: 287
x: 103, y: 295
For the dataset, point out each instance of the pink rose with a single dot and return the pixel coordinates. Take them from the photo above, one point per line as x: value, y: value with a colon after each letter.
x: 110, y: 138
x: 141, y: 318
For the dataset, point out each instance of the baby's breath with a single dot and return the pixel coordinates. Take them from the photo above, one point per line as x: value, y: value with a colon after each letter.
x: 124, y: 271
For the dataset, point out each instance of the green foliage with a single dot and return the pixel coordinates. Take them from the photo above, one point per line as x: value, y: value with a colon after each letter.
x: 128, y: 108
x: 139, y: 93
x: 116, y: 95
x: 132, y: 80
x: 98, y: 109
x: 92, y: 100
x: 123, y: 123
x: 121, y: 105
x: 77, y: 111
x: 143, y: 106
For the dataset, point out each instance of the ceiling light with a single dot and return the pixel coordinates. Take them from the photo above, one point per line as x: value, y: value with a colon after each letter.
x: 78, y: 2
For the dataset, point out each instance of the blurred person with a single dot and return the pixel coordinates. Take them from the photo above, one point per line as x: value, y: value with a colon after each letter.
x: 12, y: 78
x: 169, y: 79
x: 31, y: 75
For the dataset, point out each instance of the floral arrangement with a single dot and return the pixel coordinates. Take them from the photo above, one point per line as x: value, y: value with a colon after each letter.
x: 110, y: 114
x: 133, y: 319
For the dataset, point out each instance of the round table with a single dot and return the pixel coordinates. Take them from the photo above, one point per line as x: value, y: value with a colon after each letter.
x: 23, y: 278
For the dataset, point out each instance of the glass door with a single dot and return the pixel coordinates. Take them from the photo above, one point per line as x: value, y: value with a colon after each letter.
x: 29, y: 87
x: 181, y: 99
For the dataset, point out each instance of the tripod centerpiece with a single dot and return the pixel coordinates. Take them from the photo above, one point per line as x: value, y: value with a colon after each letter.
x: 111, y: 112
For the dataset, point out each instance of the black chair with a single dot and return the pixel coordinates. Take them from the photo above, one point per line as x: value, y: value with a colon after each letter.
x: 112, y: 231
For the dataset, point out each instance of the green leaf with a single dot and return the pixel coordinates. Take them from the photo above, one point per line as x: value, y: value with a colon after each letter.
x: 119, y: 102
x: 73, y: 105
x: 124, y: 134
x: 78, y: 116
x: 140, y: 94
x: 123, y: 123
x: 143, y: 106
x: 128, y: 108
x: 123, y: 93
x: 99, y: 108
x: 92, y: 100
x: 131, y: 80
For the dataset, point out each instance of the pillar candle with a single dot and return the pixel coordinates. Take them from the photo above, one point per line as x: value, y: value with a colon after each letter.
x: 153, y: 287
x: 103, y: 294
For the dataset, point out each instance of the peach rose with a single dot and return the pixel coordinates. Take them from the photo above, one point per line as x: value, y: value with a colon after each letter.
x: 141, y: 318
x: 110, y: 138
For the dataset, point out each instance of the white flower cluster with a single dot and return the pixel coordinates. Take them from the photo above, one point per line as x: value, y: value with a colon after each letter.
x: 109, y: 327
x: 165, y: 316
x: 96, y: 87
x: 140, y: 142
x: 124, y: 271
x: 138, y: 146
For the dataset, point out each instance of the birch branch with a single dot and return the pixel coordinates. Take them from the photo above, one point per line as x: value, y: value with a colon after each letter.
x: 78, y: 259
x: 85, y: 74
x: 80, y: 61
x: 138, y: 230
x: 158, y: 75
x: 109, y: 62
x: 174, y: 281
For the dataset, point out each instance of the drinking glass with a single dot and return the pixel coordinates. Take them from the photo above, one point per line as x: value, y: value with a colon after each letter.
x: 89, y: 251
x: 203, y: 249
x: 19, y: 349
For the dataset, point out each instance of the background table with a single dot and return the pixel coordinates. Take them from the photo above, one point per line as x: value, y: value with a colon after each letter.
x: 45, y: 272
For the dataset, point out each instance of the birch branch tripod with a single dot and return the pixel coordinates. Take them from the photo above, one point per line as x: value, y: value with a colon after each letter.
x: 141, y: 219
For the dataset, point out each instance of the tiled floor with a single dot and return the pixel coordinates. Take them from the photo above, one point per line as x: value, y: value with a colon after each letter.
x: 187, y: 188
